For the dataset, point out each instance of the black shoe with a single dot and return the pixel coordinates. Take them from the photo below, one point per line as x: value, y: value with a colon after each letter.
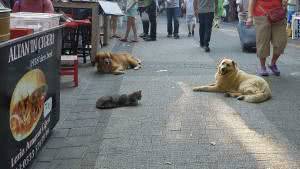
x: 143, y: 35
x: 169, y: 35
x: 149, y: 39
x: 193, y: 33
x: 190, y: 34
x: 206, y: 49
x: 176, y: 36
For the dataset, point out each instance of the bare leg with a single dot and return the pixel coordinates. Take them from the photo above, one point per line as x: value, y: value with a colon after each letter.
x: 262, y: 62
x: 128, y: 28
x: 274, y: 59
x: 133, y: 26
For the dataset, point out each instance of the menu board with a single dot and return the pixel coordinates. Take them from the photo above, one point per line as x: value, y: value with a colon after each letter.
x: 30, y: 96
x: 110, y: 8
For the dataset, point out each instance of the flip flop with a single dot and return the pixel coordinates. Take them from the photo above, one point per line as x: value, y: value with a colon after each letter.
x: 123, y: 40
x: 115, y: 36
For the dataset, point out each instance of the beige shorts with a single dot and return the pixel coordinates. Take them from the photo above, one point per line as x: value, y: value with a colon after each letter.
x: 267, y: 34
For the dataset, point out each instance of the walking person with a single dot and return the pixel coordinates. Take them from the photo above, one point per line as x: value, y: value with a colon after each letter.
x: 151, y: 9
x: 242, y: 9
x: 205, y: 9
x: 268, y: 31
x: 190, y: 16
x: 131, y: 12
x: 173, y: 12
x: 145, y: 19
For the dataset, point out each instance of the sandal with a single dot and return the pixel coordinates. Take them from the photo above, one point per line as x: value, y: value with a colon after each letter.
x: 115, y: 36
x: 263, y: 71
x: 123, y: 40
x: 274, y: 69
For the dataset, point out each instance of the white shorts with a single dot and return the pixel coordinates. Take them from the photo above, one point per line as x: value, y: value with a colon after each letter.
x: 190, y: 19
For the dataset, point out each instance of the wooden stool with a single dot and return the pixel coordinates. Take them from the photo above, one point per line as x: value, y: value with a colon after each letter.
x: 69, y: 66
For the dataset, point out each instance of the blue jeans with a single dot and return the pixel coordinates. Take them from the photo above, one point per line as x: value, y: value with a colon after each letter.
x: 172, y: 15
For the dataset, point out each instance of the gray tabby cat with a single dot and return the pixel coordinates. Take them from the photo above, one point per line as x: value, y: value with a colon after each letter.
x: 108, y: 102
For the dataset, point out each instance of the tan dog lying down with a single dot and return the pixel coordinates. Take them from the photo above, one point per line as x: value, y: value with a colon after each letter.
x: 237, y: 83
x: 116, y: 63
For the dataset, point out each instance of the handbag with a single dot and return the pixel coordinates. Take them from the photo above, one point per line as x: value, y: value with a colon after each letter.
x: 275, y: 15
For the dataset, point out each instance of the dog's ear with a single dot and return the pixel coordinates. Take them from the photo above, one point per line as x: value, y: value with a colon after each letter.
x: 220, y: 61
x: 109, y: 54
x: 96, y: 59
x: 234, y: 64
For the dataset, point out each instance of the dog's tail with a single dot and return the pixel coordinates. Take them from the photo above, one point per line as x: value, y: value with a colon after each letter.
x: 258, y: 97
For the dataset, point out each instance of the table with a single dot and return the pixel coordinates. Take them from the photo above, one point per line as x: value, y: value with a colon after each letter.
x: 96, y: 19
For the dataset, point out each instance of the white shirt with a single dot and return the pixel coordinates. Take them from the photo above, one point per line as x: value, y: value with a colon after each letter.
x: 243, y: 3
x: 189, y: 7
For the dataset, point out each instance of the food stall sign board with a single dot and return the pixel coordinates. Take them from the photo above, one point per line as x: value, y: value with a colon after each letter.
x: 110, y: 8
x: 30, y: 95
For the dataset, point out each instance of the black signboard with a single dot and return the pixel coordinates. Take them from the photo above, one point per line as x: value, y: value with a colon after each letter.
x: 30, y: 95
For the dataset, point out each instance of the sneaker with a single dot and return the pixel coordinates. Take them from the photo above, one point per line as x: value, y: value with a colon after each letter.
x: 263, y: 71
x: 176, y: 36
x: 206, y: 49
x: 169, y: 35
x: 142, y: 35
x: 190, y: 34
x: 274, y: 70
x: 149, y: 39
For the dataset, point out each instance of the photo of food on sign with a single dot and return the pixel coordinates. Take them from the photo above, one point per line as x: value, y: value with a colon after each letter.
x: 27, y: 103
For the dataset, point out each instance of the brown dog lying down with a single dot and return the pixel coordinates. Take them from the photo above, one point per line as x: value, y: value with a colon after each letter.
x: 116, y: 63
x: 237, y: 83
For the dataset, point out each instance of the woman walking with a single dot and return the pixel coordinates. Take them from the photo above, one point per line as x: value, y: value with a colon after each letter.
x: 131, y: 12
x: 268, y: 31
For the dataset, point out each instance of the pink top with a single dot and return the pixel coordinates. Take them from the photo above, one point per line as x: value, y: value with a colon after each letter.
x: 39, y: 6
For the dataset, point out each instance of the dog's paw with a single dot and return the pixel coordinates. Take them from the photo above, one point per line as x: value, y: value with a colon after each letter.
x: 241, y: 97
x: 227, y: 94
x: 137, y: 67
x: 118, y: 73
x: 197, y: 89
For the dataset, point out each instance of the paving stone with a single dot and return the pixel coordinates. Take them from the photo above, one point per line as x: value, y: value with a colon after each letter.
x: 71, y: 153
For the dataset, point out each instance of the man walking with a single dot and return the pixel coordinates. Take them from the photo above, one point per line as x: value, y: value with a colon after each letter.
x: 173, y: 11
x: 205, y: 9
x: 151, y: 9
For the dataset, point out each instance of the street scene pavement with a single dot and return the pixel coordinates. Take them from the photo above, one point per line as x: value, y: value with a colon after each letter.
x: 174, y: 127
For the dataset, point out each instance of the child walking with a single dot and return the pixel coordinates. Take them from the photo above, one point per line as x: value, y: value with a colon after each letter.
x: 190, y: 16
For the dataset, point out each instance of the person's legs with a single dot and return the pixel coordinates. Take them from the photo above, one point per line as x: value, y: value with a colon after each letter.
x: 152, y: 18
x: 169, y: 21
x: 113, y: 24
x: 279, y: 41
x: 128, y: 27
x: 263, y: 38
x: 133, y: 26
x: 208, y: 26
x: 146, y: 27
x: 201, y: 28
x: 145, y: 23
x: 176, y: 22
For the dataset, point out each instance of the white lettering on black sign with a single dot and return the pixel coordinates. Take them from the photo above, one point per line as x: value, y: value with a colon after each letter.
x: 28, y: 47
